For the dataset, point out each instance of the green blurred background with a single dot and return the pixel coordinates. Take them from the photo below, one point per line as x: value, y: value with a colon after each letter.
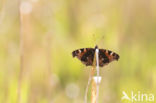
x: 38, y: 36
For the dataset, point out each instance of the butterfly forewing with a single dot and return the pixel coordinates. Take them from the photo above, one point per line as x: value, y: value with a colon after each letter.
x: 106, y: 56
x: 86, y: 55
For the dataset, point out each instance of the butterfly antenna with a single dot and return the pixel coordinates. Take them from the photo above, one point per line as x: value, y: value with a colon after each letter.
x: 94, y: 39
x: 101, y: 40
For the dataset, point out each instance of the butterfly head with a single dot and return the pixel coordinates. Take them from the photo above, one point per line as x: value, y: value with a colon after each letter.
x: 96, y: 47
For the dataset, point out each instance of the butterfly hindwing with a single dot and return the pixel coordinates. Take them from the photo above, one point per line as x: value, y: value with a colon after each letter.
x: 88, y: 57
x: 103, y: 58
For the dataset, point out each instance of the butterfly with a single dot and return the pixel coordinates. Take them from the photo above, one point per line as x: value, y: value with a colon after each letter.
x: 86, y: 56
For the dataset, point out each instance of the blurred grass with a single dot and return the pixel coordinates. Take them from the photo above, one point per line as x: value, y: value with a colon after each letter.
x: 126, y: 27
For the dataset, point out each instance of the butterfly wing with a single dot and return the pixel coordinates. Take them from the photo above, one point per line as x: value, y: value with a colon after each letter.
x: 85, y: 55
x: 107, y: 56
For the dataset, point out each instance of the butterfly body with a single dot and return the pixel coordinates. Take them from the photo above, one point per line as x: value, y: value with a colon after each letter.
x: 86, y: 56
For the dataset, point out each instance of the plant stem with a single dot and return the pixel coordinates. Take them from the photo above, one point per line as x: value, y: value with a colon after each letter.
x: 93, y: 90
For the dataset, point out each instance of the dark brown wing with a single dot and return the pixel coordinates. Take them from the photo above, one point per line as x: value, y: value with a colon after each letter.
x: 106, y: 56
x: 86, y: 55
